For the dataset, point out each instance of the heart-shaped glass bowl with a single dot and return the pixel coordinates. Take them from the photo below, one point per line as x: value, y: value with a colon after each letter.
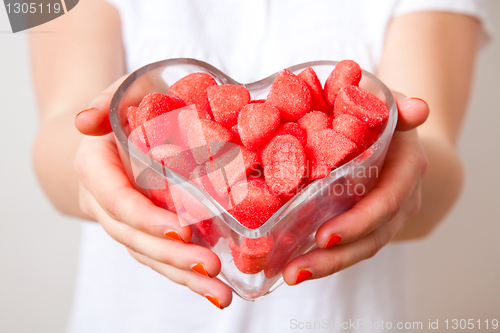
x: 294, y: 225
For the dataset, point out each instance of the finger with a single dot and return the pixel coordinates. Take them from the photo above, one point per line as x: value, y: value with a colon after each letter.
x: 103, y: 176
x: 217, y: 292
x: 95, y: 119
x: 183, y: 256
x: 403, y: 169
x: 412, y: 112
x: 319, y: 263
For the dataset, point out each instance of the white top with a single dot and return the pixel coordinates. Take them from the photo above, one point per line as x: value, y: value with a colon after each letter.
x: 248, y: 40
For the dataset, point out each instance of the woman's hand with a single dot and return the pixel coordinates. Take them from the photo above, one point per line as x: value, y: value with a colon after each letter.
x: 152, y: 235
x: 374, y: 221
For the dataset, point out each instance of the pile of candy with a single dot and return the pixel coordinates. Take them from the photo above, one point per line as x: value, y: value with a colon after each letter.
x: 252, y: 156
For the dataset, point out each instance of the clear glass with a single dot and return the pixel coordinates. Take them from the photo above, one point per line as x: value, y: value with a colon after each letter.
x: 294, y: 225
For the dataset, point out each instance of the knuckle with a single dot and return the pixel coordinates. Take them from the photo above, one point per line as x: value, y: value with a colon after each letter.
x: 424, y: 165
x: 376, y: 244
x: 109, y: 204
x: 127, y: 238
x: 166, y: 258
x: 416, y: 204
x: 394, y: 203
x: 336, y: 265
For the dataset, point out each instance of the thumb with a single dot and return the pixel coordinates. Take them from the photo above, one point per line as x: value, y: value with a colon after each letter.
x: 95, y: 119
x: 412, y: 112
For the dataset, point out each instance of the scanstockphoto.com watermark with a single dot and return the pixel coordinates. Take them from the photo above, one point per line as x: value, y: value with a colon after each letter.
x: 357, y: 324
x: 469, y: 324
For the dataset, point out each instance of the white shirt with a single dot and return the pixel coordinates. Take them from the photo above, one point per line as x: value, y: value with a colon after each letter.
x: 248, y: 40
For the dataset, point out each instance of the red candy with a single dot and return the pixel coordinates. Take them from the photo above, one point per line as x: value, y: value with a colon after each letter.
x: 256, y: 124
x: 293, y: 129
x: 151, y: 114
x: 314, y: 121
x: 254, y: 203
x: 361, y: 104
x: 174, y: 158
x: 236, y: 135
x: 346, y: 72
x: 192, y: 89
x: 207, y: 139
x: 325, y: 150
x: 355, y: 130
x: 252, y: 255
x: 208, y: 230
x: 230, y: 167
x: 153, y: 105
x: 310, y: 78
x: 290, y: 95
x: 286, y: 128
x: 131, y: 117
x: 285, y: 197
x: 284, y: 163
x: 160, y: 192
x: 226, y: 102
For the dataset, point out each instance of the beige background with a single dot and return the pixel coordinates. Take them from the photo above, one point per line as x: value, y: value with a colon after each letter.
x: 455, y: 273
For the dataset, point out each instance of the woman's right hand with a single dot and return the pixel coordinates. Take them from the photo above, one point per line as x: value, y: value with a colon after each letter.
x: 152, y: 235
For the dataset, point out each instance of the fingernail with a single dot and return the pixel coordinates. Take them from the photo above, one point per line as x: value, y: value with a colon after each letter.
x: 214, y: 301
x: 303, y: 275
x: 92, y: 108
x: 200, y: 269
x: 421, y: 100
x: 334, y: 239
x: 174, y: 235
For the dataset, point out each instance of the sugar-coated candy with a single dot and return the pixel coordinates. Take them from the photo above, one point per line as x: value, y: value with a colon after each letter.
x: 226, y: 102
x: 285, y: 197
x: 325, y: 150
x: 174, y: 158
x: 208, y: 230
x: 355, y: 130
x: 361, y: 104
x: 192, y: 89
x: 310, y: 78
x: 284, y: 162
x: 290, y: 95
x: 153, y: 105
x: 131, y: 117
x: 314, y: 121
x: 256, y: 124
x: 236, y: 135
x: 252, y: 256
x: 346, y: 72
x: 161, y: 194
x: 200, y: 178
x: 254, y: 203
x: 151, y: 114
x: 293, y: 129
x: 207, y: 139
x: 229, y: 167
x: 290, y: 128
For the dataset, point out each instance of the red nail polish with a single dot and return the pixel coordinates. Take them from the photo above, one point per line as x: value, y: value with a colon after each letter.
x: 421, y: 100
x: 174, y: 235
x: 84, y: 111
x: 303, y: 275
x: 214, y: 301
x: 200, y: 269
x: 334, y: 239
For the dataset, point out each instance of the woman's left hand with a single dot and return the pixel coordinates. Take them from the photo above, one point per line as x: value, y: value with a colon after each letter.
x: 379, y: 217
